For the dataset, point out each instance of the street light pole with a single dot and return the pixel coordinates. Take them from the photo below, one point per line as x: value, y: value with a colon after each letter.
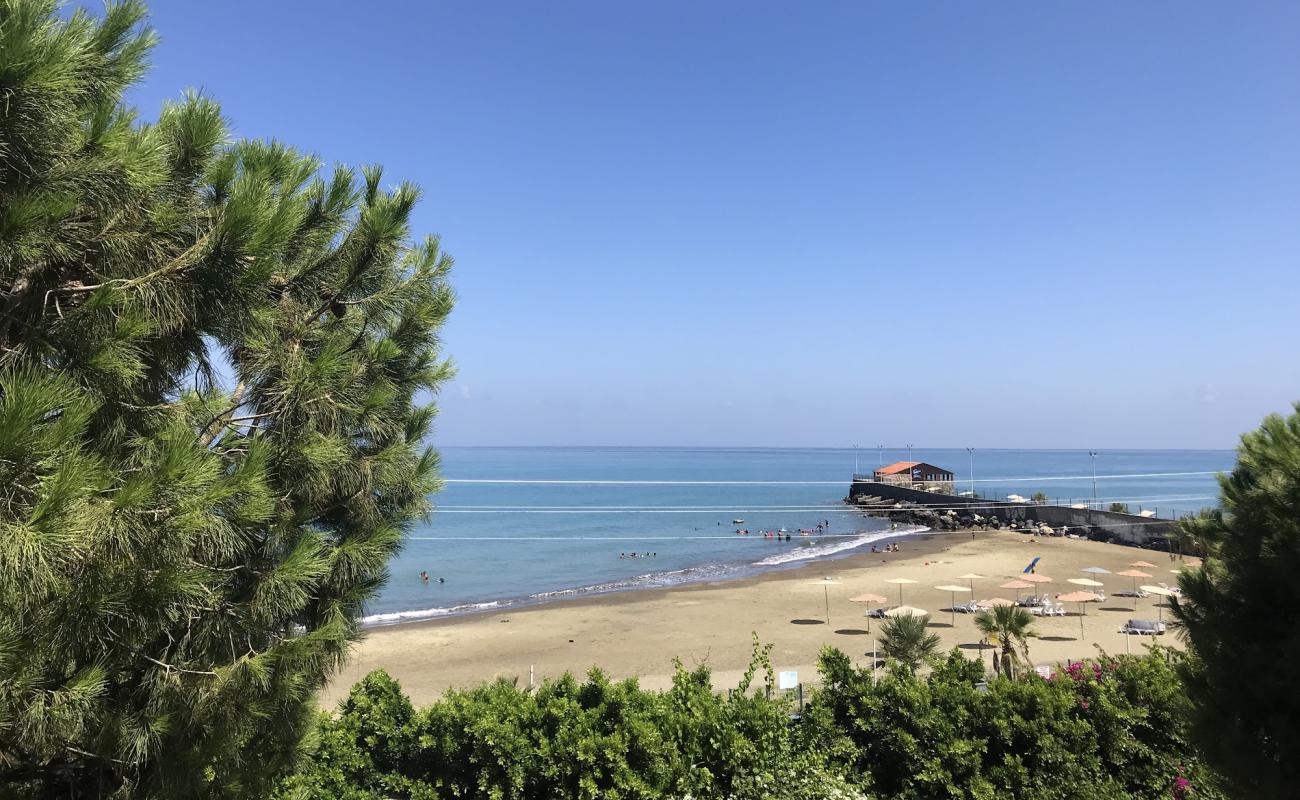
x: 855, y: 460
x: 971, y: 451
x: 1093, y: 455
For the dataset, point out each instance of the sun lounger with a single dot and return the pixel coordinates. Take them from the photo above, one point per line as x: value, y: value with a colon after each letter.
x: 1143, y: 627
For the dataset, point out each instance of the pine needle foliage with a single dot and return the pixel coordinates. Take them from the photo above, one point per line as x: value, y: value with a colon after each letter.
x: 1239, y: 616
x: 216, y: 360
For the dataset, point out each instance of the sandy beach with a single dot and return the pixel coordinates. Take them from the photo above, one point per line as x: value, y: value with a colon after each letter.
x: 638, y: 633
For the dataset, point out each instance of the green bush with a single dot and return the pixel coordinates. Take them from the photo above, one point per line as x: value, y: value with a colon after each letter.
x: 1110, y: 728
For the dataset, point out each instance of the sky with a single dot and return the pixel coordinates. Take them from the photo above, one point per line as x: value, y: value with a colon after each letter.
x: 1013, y: 224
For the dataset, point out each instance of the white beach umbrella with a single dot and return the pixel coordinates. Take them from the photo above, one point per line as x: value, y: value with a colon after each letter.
x: 1159, y: 591
x: 907, y: 611
x: 952, y: 590
x: 995, y: 602
x: 1096, y: 570
x: 972, y: 577
x: 1086, y: 582
x: 901, y: 582
x: 826, y: 584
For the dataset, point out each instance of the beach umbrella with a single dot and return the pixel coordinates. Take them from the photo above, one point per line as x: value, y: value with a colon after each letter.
x: 1086, y: 582
x: 1017, y: 585
x: 1079, y: 597
x: 995, y: 602
x: 952, y: 590
x: 1142, y: 564
x: 826, y: 584
x: 1159, y: 591
x: 1134, y: 574
x: 868, y: 598
x: 907, y: 611
x: 972, y: 577
x: 901, y: 583
x: 1096, y: 570
x: 1034, y: 577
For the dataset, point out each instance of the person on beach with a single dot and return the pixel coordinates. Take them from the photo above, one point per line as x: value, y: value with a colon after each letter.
x: 424, y: 575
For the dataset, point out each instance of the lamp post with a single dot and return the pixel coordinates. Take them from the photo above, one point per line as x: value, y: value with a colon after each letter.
x: 971, y: 451
x: 1093, y: 455
x: 855, y: 461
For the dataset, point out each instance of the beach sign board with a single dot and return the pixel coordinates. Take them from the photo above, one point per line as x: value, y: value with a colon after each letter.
x: 787, y: 680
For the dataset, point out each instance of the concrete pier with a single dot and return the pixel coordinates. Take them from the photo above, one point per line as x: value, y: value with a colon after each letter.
x: 1127, y: 528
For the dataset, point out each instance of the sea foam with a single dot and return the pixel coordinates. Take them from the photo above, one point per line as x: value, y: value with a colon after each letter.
x: 822, y: 550
x: 425, y: 613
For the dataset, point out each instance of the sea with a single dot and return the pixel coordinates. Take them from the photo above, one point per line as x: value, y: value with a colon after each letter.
x: 523, y: 525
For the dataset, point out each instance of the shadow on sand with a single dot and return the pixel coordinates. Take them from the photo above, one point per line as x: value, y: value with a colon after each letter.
x: 1059, y: 638
x: 852, y: 632
x: 807, y: 622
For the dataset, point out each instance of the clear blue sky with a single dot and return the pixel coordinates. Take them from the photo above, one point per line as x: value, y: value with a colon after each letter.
x: 1016, y: 224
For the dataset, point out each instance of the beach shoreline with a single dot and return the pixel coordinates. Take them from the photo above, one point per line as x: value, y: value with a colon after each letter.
x: 855, y: 544
x: 638, y: 633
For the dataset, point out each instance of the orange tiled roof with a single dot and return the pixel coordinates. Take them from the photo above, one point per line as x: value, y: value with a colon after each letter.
x: 897, y: 467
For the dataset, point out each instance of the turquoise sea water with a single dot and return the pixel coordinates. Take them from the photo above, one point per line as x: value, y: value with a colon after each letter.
x: 497, y: 542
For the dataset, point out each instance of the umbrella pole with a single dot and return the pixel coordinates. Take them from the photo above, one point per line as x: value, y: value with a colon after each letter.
x: 1081, y: 622
x: 826, y: 591
x: 1135, y: 595
x: 952, y: 607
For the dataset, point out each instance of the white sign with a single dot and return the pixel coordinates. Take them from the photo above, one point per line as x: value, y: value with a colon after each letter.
x: 787, y: 680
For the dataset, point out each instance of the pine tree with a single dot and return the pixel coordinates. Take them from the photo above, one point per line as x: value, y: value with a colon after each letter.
x: 216, y: 362
x: 1239, y: 616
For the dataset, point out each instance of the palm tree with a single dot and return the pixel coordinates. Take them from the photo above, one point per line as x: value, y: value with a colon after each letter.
x: 1007, y: 627
x: 906, y: 640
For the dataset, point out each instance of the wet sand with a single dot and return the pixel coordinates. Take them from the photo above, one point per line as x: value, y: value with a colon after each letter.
x: 637, y: 633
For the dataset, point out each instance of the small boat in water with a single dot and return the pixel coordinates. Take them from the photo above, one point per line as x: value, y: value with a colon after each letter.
x: 737, y: 521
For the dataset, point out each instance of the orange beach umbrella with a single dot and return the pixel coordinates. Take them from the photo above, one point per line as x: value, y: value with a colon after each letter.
x: 1017, y: 585
x: 869, y: 599
x: 1080, y: 597
x: 1134, y: 574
